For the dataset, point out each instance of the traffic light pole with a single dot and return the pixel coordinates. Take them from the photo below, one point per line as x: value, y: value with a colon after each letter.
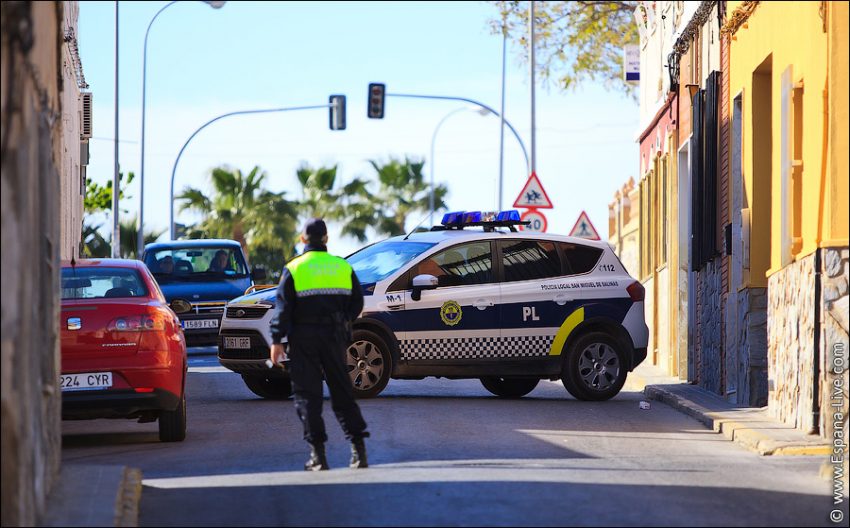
x: 477, y: 103
x: 211, y: 121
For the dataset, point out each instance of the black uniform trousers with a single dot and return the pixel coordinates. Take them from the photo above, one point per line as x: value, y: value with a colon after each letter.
x: 312, y: 350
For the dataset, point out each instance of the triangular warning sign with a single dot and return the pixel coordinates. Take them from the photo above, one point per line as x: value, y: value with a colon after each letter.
x: 584, y: 228
x: 533, y: 196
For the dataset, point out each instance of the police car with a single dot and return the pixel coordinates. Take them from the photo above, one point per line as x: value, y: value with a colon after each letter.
x: 472, y: 298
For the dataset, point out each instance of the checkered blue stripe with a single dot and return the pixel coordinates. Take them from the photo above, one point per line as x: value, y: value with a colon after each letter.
x: 476, y: 347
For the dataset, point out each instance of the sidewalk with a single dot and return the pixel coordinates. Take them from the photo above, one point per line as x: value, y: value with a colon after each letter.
x: 89, y: 495
x: 750, y: 427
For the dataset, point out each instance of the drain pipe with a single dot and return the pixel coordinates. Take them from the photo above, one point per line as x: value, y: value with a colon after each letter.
x: 816, y: 359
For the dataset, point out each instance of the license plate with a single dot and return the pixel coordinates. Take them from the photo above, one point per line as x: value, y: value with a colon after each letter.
x: 201, y: 323
x: 237, y: 342
x: 85, y: 381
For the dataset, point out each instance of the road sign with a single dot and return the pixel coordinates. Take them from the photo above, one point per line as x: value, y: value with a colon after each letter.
x: 533, y: 196
x: 584, y: 228
x: 631, y: 63
x: 538, y: 221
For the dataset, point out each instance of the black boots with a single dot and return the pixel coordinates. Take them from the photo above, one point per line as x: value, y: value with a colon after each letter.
x: 358, y: 454
x: 318, y: 461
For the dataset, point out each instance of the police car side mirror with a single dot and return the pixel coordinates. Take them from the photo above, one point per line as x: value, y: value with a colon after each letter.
x: 423, y: 282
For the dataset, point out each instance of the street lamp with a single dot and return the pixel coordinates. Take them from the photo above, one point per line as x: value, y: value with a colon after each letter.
x: 484, y: 108
x: 140, y: 242
x: 333, y: 105
x: 480, y: 111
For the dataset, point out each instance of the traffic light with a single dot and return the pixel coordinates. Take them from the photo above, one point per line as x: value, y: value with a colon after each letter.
x: 337, y: 112
x: 377, y: 91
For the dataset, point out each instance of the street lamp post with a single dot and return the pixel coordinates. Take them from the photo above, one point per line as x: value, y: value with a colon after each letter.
x: 476, y: 103
x: 431, y: 201
x: 213, y: 120
x: 140, y: 242
x: 483, y: 107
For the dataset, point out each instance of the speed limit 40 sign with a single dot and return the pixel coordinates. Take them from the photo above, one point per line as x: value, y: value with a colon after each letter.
x: 538, y: 221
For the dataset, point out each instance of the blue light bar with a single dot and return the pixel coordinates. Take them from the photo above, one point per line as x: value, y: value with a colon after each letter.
x: 472, y: 216
x: 511, y: 215
x: 453, y: 218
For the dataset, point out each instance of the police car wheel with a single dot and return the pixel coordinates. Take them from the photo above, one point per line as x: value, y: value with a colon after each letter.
x: 509, y: 387
x: 268, y: 388
x: 369, y: 363
x: 595, y: 368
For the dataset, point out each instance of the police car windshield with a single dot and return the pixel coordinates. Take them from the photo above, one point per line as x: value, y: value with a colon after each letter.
x: 379, y: 261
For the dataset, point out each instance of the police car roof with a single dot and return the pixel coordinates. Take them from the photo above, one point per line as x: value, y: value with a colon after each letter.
x: 473, y: 233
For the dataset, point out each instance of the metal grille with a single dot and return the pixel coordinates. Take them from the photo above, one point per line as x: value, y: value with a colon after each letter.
x: 245, y: 312
x: 208, y: 308
x: 86, y: 131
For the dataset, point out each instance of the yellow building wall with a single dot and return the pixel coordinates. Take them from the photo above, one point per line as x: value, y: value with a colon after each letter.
x: 838, y: 224
x: 792, y: 34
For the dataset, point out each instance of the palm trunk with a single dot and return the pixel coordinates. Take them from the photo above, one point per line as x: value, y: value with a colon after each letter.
x: 239, y: 236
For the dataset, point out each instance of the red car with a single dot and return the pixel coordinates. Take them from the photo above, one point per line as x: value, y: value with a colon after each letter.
x: 123, y: 350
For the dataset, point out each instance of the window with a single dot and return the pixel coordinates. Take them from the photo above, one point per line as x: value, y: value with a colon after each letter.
x: 101, y: 283
x: 530, y: 259
x: 196, y: 262
x: 580, y: 259
x: 462, y: 265
x: 704, y: 146
x: 378, y: 261
x: 662, y: 219
x: 647, y: 223
x: 797, y: 171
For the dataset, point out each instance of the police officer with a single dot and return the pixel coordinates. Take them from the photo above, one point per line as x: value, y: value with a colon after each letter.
x: 317, y: 298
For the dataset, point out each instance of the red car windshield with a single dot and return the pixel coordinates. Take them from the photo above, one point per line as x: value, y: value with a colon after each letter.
x: 101, y: 283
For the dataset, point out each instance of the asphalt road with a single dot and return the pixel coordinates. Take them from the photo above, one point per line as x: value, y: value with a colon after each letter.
x: 446, y: 452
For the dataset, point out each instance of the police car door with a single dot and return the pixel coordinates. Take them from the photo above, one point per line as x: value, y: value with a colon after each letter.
x: 459, y: 320
x: 540, y: 299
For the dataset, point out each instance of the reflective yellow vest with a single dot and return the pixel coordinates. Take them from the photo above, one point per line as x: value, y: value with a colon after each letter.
x: 320, y: 273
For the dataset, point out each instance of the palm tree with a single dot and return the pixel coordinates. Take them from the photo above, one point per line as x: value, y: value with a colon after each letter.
x: 351, y: 205
x: 129, y: 233
x: 240, y: 209
x: 94, y: 244
x: 402, y: 191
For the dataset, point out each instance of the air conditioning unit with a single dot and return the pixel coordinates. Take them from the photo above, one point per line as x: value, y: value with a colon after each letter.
x: 86, y: 121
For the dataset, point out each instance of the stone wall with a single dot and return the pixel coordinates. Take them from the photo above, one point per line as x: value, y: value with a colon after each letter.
x: 30, y: 209
x: 835, y: 349
x: 791, y: 342
x: 792, y: 318
x: 752, y: 347
x: 709, y: 344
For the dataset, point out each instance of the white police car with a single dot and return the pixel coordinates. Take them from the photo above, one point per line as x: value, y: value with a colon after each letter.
x: 507, y: 307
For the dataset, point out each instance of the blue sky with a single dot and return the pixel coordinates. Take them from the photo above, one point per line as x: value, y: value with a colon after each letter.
x: 204, y: 62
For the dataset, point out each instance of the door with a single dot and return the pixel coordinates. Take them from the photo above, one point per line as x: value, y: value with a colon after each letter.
x: 538, y: 296
x: 459, y: 320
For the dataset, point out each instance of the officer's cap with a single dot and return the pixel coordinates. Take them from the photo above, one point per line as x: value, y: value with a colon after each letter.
x: 315, y: 229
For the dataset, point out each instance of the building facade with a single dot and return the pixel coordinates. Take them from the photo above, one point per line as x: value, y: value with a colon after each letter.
x: 744, y: 200
x: 624, y: 226
x: 788, y: 93
x: 40, y: 156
